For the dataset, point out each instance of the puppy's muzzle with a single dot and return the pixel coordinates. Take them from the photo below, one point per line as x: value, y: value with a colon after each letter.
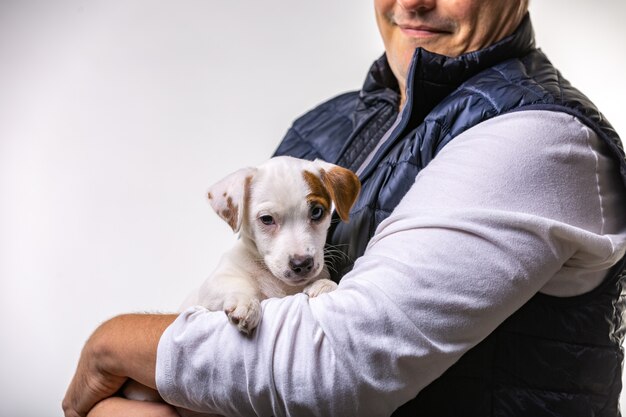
x: 301, y: 265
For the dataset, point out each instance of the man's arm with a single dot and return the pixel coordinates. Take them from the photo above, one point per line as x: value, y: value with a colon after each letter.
x: 519, y: 202
x: 121, y: 407
x: 121, y: 348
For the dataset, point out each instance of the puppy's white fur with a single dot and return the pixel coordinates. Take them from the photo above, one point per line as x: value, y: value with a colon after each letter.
x: 282, y: 211
x: 283, y: 257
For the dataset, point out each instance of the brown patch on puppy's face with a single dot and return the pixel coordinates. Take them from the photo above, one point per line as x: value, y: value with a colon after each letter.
x: 344, y: 187
x: 319, y: 195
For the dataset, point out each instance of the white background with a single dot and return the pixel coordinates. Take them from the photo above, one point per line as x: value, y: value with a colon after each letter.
x: 116, y: 116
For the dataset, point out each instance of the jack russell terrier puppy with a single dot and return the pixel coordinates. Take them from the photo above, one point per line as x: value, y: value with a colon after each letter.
x: 282, y: 211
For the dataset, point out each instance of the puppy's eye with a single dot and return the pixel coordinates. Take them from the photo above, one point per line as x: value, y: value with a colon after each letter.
x: 267, y: 220
x: 317, y: 213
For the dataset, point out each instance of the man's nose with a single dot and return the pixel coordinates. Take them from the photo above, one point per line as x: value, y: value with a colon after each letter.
x: 417, y: 5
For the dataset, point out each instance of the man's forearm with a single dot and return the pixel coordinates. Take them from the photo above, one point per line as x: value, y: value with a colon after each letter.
x: 123, y: 347
x: 127, y: 345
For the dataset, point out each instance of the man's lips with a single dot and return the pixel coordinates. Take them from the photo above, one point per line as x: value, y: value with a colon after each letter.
x: 421, y: 31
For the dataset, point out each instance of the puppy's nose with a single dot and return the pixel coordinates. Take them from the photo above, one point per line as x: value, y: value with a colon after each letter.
x: 301, y: 265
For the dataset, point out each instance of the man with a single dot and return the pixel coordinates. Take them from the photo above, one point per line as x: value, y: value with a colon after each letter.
x: 489, y: 242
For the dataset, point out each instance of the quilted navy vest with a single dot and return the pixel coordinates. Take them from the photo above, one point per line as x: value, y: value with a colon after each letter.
x: 554, y: 356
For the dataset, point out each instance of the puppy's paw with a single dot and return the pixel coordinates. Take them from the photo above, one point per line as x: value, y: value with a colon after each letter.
x: 243, y: 312
x: 319, y: 287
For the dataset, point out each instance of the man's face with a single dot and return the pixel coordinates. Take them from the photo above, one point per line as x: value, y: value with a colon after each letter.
x: 446, y: 27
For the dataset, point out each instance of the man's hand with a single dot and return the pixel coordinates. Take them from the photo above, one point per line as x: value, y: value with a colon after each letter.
x: 122, y: 347
x: 90, y: 383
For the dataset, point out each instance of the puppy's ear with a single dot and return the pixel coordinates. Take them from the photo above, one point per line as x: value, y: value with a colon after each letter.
x: 228, y: 196
x: 343, y: 186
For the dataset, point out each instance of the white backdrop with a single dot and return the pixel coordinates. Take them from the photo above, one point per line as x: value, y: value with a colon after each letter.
x: 115, y: 117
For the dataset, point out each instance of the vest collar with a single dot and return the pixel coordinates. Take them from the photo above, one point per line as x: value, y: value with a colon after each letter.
x: 433, y: 76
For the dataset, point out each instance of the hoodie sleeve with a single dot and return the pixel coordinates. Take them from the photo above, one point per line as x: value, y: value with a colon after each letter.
x: 522, y: 203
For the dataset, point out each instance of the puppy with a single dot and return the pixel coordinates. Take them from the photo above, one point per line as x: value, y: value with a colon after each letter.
x: 282, y: 210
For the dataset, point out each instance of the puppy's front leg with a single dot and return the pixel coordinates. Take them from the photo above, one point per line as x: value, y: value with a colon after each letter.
x: 233, y: 288
x: 319, y: 287
x: 243, y: 310
x: 237, y: 296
